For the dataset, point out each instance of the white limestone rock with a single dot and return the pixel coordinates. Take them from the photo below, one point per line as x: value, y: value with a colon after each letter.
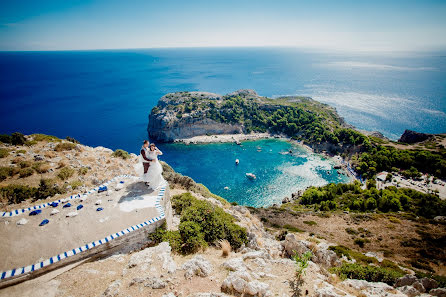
x: 197, y: 266
x: 113, y: 289
x: 235, y: 264
x: 372, y: 289
x: 22, y: 221
x: 72, y: 214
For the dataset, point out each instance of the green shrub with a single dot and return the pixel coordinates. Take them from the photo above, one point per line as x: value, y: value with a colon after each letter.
x: 121, y: 154
x: 21, y: 152
x: 215, y: 224
x: 183, y: 201
x: 17, y: 193
x: 82, y: 171
x: 368, y: 272
x: 76, y: 184
x: 44, y: 137
x: 341, y: 250
x: 5, y: 172
x: 64, y: 146
x: 5, y: 138
x: 310, y: 223
x: 65, y: 173
x: 17, y: 138
x: 25, y: 172
x: 71, y: 139
x: 3, y: 153
x: 360, y: 242
x: 25, y: 164
x: 192, y: 237
x: 47, y: 188
x: 292, y: 228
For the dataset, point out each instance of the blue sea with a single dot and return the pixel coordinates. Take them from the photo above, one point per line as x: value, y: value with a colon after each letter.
x: 104, y: 98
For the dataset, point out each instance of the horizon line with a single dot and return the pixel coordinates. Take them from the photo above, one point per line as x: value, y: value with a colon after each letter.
x: 235, y: 46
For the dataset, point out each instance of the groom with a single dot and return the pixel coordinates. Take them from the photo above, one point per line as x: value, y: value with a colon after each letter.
x: 146, y: 160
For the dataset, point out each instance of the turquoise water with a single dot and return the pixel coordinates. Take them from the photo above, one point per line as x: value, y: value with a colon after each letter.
x: 279, y: 173
x: 104, y: 98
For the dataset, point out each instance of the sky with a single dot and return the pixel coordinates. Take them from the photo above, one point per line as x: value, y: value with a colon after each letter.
x: 379, y: 25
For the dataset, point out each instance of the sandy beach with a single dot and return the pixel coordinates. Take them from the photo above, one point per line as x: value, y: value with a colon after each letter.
x: 225, y: 138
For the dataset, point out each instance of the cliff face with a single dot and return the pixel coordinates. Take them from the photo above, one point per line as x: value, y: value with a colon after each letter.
x: 166, y: 127
x: 170, y: 120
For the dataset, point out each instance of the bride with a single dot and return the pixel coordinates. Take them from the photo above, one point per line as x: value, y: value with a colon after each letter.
x: 148, y: 167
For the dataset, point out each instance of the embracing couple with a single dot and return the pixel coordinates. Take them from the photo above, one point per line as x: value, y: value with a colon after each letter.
x: 148, y: 167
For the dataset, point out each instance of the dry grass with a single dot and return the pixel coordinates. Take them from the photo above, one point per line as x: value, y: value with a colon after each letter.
x: 50, y: 154
x: 61, y: 164
x: 225, y: 247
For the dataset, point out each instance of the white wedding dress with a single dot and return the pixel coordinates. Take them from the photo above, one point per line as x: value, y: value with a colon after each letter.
x: 154, y: 175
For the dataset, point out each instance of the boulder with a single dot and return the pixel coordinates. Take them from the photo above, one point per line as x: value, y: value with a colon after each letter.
x: 409, y: 291
x: 371, y: 288
x: 429, y: 283
x: 419, y: 286
x: 155, y: 283
x: 235, y: 264
x: 291, y: 245
x: 406, y: 280
x: 325, y: 257
x: 327, y: 290
x: 240, y: 282
x: 440, y: 292
x: 113, y: 289
x: 197, y: 266
x: 257, y: 254
x: 440, y: 219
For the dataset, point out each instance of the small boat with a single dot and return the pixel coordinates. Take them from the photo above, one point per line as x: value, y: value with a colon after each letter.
x: 237, y: 161
x: 226, y: 188
x: 251, y: 175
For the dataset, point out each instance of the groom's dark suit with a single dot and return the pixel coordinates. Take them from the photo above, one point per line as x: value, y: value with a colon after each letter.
x: 147, y: 163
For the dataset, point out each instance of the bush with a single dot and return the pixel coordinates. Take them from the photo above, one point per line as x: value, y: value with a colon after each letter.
x: 47, y: 188
x: 368, y: 272
x: 71, y: 139
x: 76, y: 184
x: 211, y: 221
x: 17, y: 138
x: 5, y: 172
x: 82, y: 171
x: 121, y: 154
x: 3, y: 153
x: 360, y: 242
x: 25, y: 164
x: 5, y: 138
x: 41, y: 167
x: 17, y: 193
x: 44, y: 137
x: 25, y: 172
x: 310, y: 223
x: 65, y: 173
x: 191, y: 236
x: 64, y: 146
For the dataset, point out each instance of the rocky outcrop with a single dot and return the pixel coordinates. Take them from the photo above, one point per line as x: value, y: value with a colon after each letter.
x: 169, y: 121
x: 410, y: 136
